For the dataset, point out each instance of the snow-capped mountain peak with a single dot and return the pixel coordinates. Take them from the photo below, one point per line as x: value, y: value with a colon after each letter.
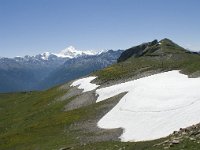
x: 45, y: 55
x: 72, y: 52
x: 68, y: 53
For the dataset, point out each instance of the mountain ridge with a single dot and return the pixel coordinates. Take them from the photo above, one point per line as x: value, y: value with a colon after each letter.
x: 150, y: 48
x: 31, y: 72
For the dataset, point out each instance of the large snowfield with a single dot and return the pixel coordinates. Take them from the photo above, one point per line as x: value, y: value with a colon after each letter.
x: 153, y: 107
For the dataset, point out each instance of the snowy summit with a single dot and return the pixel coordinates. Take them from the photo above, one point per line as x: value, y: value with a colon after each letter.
x: 71, y: 52
x: 68, y: 53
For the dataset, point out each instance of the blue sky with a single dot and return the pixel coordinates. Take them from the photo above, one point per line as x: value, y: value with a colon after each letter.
x: 35, y: 26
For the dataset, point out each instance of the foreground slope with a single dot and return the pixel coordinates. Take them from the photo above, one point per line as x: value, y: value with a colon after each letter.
x: 66, y: 117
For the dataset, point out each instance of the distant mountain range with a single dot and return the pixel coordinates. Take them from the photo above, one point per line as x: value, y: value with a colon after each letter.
x: 48, y: 69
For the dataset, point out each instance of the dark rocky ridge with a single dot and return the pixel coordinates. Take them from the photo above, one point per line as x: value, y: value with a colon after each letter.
x: 136, y: 51
x: 164, y: 47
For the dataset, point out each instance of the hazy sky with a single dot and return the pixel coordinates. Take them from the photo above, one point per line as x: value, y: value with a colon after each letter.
x: 35, y: 26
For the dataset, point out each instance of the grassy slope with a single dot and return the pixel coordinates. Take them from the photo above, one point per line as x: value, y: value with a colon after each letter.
x: 35, y: 120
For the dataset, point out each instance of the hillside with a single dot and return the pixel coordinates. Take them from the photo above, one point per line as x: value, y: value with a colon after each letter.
x: 162, y: 56
x: 66, y: 117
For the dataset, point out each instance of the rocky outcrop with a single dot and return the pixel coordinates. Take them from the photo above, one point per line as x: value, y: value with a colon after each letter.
x: 191, y: 133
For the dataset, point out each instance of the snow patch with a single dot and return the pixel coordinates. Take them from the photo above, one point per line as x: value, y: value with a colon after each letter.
x: 154, y: 106
x: 85, y: 84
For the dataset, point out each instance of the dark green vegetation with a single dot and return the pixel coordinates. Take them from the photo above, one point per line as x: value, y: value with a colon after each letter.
x: 38, y: 120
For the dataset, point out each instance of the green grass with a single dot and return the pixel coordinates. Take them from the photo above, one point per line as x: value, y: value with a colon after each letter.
x: 33, y: 120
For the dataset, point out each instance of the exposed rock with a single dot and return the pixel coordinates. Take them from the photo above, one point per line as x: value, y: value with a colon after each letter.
x: 66, y: 148
x: 90, y: 125
x: 191, y: 133
x: 175, y: 141
x: 82, y: 100
x: 192, y: 139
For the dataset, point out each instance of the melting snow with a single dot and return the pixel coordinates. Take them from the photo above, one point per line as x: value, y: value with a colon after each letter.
x: 85, y: 84
x: 154, y: 106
